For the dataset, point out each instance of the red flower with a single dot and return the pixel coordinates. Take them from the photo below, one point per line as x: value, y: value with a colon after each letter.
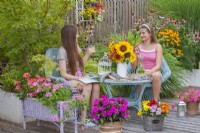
x: 153, y: 102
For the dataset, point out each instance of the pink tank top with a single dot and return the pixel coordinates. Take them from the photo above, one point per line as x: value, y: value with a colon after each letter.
x: 148, y: 58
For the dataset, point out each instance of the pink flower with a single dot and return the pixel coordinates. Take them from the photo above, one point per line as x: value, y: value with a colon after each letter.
x: 54, y: 118
x: 26, y: 75
x: 78, y: 74
x: 48, y: 94
x: 64, y: 106
x: 16, y: 82
x: 38, y: 90
x: 18, y: 87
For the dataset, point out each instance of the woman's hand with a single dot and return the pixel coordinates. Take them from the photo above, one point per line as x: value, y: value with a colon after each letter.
x: 90, y: 50
x: 148, y: 73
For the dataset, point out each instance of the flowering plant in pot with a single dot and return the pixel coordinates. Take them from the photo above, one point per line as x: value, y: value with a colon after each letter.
x: 153, y: 114
x: 49, y: 94
x: 121, y: 52
x: 110, y: 112
x: 192, y: 98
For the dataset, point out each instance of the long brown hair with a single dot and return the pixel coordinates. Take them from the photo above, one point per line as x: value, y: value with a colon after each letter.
x: 150, y: 30
x: 69, y: 42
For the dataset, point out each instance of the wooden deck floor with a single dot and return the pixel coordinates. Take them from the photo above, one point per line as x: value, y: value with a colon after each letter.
x: 190, y: 124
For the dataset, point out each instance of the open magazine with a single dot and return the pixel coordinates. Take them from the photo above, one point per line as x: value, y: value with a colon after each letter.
x: 88, y: 79
x: 115, y: 76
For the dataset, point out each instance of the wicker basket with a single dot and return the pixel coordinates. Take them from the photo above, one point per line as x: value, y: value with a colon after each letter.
x: 34, y: 109
x: 151, y: 123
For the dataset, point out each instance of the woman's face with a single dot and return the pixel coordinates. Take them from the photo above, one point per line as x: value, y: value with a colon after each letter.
x: 144, y: 34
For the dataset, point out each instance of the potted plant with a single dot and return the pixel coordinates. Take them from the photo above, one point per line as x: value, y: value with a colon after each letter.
x: 121, y: 52
x: 153, y: 114
x: 110, y: 112
x: 37, y: 91
x: 192, y: 98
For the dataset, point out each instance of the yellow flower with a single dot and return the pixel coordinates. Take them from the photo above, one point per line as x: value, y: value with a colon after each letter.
x: 174, y: 51
x: 118, y: 58
x: 132, y: 58
x: 111, y: 44
x: 146, y: 107
x: 139, y: 112
x: 123, y: 47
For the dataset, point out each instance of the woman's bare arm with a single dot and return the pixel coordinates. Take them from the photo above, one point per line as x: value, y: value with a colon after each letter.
x: 63, y: 71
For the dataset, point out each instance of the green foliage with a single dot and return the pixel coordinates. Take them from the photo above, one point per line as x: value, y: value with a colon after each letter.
x: 182, y: 9
x: 91, y: 67
x: 174, y: 83
x: 47, y: 93
x: 38, y: 64
x: 133, y: 38
x: 28, y: 28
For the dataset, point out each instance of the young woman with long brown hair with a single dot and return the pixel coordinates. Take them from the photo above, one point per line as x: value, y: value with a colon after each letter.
x: 151, y: 54
x: 70, y: 61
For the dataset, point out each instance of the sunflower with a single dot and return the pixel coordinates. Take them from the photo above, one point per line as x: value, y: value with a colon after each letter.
x: 132, y: 58
x: 111, y: 44
x: 118, y: 58
x: 123, y: 47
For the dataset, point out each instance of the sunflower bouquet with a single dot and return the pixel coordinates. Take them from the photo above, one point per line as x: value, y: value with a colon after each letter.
x: 121, y: 52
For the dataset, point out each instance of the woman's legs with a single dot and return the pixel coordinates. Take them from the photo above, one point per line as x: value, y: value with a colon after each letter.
x: 156, y: 85
x: 87, y: 89
x: 95, y: 92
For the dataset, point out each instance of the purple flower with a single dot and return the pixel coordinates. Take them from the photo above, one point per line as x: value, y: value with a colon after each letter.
x: 96, y: 102
x: 158, y: 111
x: 94, y: 110
x: 104, y: 114
x: 153, y: 108
x: 95, y: 117
x: 74, y: 90
x: 103, y: 97
x: 105, y: 103
x: 123, y: 108
x: 124, y: 115
x: 109, y: 113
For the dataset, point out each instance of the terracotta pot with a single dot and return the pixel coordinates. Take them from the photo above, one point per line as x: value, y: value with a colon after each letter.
x: 192, y: 108
x: 153, y: 123
x: 111, y: 127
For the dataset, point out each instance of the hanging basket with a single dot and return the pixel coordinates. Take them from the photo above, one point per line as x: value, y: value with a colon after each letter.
x: 111, y: 127
x: 153, y: 123
x: 192, y: 108
x: 122, y: 69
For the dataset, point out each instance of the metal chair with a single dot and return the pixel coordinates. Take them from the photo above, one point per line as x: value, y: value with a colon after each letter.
x: 148, y: 93
x: 55, y: 76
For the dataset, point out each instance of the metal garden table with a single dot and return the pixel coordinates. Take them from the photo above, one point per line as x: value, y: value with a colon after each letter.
x: 133, y: 99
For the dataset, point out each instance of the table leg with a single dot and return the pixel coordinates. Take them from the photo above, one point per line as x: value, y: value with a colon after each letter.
x: 139, y: 101
x: 108, y: 90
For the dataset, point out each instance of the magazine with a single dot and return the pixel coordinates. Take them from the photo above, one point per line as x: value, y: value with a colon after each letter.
x: 89, y: 79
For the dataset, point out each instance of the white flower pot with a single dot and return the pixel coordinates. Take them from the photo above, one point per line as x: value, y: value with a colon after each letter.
x: 122, y: 69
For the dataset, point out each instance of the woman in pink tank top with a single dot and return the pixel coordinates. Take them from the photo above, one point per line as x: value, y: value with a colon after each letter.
x: 150, y: 53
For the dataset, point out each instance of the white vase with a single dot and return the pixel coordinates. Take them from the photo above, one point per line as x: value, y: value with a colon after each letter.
x: 122, y: 69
